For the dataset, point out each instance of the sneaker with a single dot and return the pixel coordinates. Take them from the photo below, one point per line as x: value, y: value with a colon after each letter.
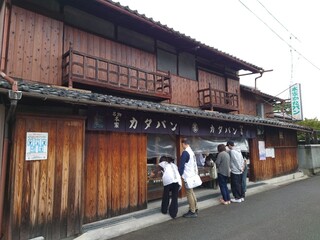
x: 234, y: 200
x: 190, y: 215
x: 242, y: 199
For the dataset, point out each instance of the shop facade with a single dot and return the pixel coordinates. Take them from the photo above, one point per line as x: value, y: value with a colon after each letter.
x: 90, y: 101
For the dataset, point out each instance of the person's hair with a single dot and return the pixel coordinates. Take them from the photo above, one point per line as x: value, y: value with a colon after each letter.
x: 230, y: 143
x: 167, y: 159
x: 163, y: 158
x: 221, y: 147
x: 185, y: 141
x: 170, y: 159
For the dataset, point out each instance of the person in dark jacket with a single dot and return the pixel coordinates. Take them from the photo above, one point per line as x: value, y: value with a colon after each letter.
x: 223, y: 166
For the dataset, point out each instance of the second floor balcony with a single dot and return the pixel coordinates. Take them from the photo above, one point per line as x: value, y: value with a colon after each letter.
x: 92, y: 71
x: 218, y: 100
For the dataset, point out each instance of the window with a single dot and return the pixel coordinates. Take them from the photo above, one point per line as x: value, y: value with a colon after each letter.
x: 88, y: 22
x: 166, y: 61
x: 135, y: 39
x: 187, y: 65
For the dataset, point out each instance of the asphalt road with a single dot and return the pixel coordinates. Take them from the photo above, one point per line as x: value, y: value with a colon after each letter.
x: 287, y: 212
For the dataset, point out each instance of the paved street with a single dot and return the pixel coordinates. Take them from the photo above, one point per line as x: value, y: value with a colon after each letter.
x: 288, y: 212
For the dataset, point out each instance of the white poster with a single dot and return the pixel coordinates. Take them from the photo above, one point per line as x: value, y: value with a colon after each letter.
x: 270, y: 152
x: 262, y: 150
x: 37, y: 146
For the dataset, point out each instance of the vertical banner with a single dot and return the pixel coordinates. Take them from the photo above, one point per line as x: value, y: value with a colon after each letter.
x: 296, y: 102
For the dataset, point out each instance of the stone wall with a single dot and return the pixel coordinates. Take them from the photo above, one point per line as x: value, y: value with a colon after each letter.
x: 309, y: 158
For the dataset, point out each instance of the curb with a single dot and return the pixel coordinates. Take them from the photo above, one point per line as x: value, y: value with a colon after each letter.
x: 117, y: 226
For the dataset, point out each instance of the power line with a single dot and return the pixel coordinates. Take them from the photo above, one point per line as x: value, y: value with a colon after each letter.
x: 305, y: 58
x: 278, y: 20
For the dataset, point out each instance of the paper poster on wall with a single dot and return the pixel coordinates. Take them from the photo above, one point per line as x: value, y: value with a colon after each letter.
x: 270, y: 152
x: 36, y: 146
x: 262, y: 150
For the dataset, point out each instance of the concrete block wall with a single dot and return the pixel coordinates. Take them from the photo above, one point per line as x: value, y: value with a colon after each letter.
x: 309, y: 158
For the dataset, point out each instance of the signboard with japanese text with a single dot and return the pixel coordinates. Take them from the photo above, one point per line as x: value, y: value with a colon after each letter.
x: 36, y: 146
x: 296, y: 102
x: 132, y: 121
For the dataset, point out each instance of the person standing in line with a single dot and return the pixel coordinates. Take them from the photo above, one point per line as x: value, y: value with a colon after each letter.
x: 245, y: 174
x: 188, y: 168
x: 171, y: 184
x: 223, y: 166
x: 236, y: 166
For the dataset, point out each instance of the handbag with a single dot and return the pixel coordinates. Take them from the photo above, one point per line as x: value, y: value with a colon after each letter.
x: 193, y: 182
x: 213, y: 172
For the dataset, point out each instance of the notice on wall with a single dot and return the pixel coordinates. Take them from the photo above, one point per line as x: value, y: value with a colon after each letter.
x: 36, y: 146
x: 270, y: 152
x: 262, y: 150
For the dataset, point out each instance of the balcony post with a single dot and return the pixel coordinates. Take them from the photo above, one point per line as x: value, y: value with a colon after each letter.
x: 70, y: 85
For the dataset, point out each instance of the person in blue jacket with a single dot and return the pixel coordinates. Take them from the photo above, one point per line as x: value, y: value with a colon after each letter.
x: 188, y: 168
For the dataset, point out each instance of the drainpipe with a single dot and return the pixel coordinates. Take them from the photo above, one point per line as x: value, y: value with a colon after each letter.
x: 255, y: 80
x: 14, y: 95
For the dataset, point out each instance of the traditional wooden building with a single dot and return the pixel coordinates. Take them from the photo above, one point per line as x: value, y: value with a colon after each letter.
x: 93, y: 93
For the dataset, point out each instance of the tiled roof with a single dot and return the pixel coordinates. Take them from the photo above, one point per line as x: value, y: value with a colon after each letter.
x: 74, y: 96
x: 178, y: 34
x: 258, y: 92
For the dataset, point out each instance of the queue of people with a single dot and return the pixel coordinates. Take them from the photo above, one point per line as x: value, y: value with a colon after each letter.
x: 230, y: 164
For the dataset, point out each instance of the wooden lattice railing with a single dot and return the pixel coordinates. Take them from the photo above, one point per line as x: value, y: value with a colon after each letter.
x: 212, y: 99
x: 95, y: 71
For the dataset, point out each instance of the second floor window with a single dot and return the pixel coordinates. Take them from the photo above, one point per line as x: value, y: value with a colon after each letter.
x: 166, y: 61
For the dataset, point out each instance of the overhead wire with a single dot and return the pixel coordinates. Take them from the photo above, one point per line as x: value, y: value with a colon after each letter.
x: 290, y: 46
x: 278, y: 21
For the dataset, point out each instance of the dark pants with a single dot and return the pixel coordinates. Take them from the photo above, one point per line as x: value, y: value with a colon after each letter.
x: 236, y: 185
x: 244, y: 181
x: 172, y: 188
x: 223, y: 180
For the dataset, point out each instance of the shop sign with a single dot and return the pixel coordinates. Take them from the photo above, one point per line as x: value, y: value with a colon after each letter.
x: 137, y: 122
x: 296, y: 102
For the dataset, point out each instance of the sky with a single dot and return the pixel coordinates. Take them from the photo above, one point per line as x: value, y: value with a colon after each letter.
x: 277, y: 35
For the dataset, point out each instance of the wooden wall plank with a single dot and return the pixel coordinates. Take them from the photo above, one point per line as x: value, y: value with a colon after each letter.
x: 121, y: 162
x: 116, y: 173
x: 45, y: 50
x: 142, y: 171
x: 124, y: 178
x: 184, y: 92
x: 109, y: 163
x: 35, y: 48
x: 19, y: 39
x: 52, y: 129
x: 133, y: 176
x: 12, y: 47
x: 18, y: 215
x: 102, y: 173
x: 65, y: 138
x: 72, y: 167
x: 206, y: 78
x: 28, y: 41
x: 55, y: 72
x: 286, y: 159
x: 36, y: 54
x: 90, y: 176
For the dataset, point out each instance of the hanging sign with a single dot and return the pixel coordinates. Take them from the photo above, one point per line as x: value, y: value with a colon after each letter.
x: 296, y: 102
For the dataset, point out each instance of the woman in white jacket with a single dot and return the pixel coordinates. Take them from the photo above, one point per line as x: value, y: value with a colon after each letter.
x: 171, y: 184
